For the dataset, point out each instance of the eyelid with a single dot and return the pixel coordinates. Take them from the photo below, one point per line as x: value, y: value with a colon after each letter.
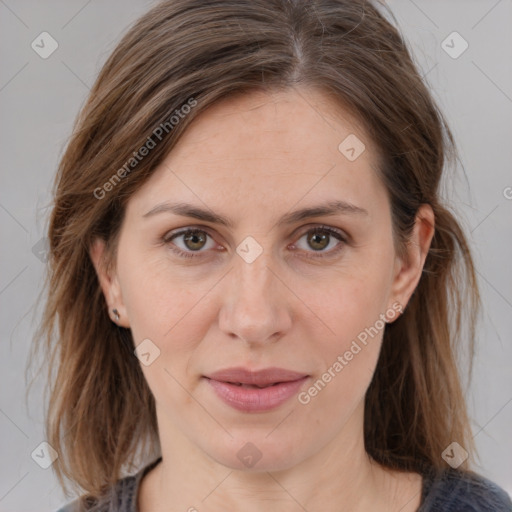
x: 323, y: 227
x: 185, y: 229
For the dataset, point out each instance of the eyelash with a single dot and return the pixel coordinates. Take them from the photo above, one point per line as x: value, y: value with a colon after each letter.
x: 186, y: 254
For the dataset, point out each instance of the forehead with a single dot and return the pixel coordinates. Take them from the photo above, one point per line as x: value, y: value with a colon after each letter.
x: 301, y: 123
x: 264, y: 150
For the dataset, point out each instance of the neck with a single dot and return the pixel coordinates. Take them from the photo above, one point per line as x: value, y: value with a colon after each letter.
x: 339, y: 476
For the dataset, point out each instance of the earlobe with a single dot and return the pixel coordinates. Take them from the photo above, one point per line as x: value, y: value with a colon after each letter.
x: 409, y: 269
x: 109, y: 284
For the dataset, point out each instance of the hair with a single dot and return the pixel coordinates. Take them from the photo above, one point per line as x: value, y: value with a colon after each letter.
x: 101, y: 412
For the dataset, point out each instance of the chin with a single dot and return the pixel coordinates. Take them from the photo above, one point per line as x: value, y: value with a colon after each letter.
x: 258, y: 451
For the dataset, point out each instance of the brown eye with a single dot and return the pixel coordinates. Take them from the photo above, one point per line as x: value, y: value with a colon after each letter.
x: 318, y: 240
x: 191, y: 241
x: 195, y: 240
x: 322, y: 240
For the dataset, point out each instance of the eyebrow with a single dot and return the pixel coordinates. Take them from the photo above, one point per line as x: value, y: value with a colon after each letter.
x: 189, y: 210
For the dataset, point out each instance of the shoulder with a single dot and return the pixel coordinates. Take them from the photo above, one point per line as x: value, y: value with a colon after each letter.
x: 462, y: 491
x: 121, y: 497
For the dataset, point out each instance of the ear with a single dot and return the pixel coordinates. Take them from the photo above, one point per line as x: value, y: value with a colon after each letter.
x: 408, y: 270
x: 109, y: 283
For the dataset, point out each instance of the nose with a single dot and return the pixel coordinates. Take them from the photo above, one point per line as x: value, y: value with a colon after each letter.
x: 256, y: 304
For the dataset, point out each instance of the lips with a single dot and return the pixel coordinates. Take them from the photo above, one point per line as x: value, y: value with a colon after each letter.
x: 260, y: 378
x: 255, y: 391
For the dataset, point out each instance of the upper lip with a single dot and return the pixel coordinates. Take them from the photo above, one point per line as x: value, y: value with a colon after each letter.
x: 264, y: 377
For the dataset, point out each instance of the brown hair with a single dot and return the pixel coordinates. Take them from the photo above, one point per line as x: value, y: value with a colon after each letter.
x: 101, y: 411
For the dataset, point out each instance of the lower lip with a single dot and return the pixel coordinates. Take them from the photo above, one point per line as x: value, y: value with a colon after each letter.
x: 256, y: 399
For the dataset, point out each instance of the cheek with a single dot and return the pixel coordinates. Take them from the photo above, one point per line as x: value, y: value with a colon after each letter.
x: 348, y: 332
x: 349, y: 301
x: 160, y: 301
x: 171, y: 312
x: 346, y: 360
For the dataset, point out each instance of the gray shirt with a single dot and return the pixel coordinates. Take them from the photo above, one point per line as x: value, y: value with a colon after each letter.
x: 448, y: 490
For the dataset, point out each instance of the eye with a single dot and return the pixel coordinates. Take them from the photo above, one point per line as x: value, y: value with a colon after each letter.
x: 320, y: 238
x: 193, y: 240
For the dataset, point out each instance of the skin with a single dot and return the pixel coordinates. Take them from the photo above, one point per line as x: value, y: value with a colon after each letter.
x: 253, y: 158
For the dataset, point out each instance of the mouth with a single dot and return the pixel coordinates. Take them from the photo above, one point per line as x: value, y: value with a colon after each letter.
x: 259, y: 378
x: 253, y: 385
x: 255, y: 391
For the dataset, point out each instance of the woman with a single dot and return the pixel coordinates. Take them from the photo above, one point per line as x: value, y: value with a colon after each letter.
x: 257, y: 289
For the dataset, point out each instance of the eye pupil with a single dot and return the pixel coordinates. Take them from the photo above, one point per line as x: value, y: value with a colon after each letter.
x: 193, y: 236
x: 315, y: 238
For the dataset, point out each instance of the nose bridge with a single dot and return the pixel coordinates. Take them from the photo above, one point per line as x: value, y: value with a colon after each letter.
x: 255, y: 278
x: 254, y: 307
x: 252, y: 266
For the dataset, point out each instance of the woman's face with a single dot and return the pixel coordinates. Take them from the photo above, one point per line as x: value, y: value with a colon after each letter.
x: 263, y: 290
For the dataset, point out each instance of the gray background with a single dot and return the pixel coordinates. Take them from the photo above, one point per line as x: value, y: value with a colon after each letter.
x: 39, y: 99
